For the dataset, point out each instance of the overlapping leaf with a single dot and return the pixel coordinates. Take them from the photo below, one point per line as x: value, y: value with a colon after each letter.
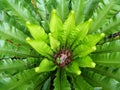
x: 61, y: 82
x: 105, y: 11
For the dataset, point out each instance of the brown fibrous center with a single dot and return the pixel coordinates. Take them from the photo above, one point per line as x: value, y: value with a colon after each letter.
x: 63, y: 57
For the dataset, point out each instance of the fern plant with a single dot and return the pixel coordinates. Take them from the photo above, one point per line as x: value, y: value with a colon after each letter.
x: 59, y: 44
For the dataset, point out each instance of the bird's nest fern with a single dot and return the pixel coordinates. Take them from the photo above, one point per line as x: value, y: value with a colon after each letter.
x: 67, y: 46
x: 76, y: 48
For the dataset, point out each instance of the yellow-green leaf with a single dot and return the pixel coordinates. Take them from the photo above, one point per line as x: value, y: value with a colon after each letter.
x: 37, y: 32
x: 60, y: 81
x: 54, y: 43
x: 69, y: 28
x: 56, y: 26
x: 85, y: 62
x: 73, y: 68
x: 45, y: 66
x: 93, y: 39
x: 41, y: 47
x: 83, y: 50
x: 82, y: 30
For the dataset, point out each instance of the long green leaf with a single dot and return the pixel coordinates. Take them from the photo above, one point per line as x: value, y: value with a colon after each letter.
x: 45, y: 66
x: 12, y: 22
x: 41, y: 47
x: 10, y: 49
x: 92, y: 40
x: 61, y: 82
x: 40, y: 6
x: 78, y: 6
x: 103, y: 82
x: 47, y: 85
x: 90, y: 7
x: 12, y: 82
x: 112, y: 25
x: 54, y: 43
x: 73, y: 68
x: 62, y: 8
x: 11, y: 33
x: 83, y: 50
x: 40, y: 80
x: 56, y: 26
x: 113, y: 46
x: 107, y: 59
x: 108, y: 71
x: 105, y: 11
x: 37, y: 32
x: 80, y: 84
x: 81, y: 32
x: 11, y: 65
x: 85, y: 62
x: 69, y: 29
x: 18, y: 9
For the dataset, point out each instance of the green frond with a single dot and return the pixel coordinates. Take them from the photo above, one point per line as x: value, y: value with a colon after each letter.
x: 37, y: 32
x: 18, y: 65
x: 104, y: 12
x: 41, y: 47
x: 17, y: 9
x: 107, y: 59
x: 45, y: 66
x: 22, y: 78
x: 81, y: 32
x: 69, y: 29
x: 90, y: 7
x: 78, y: 6
x: 46, y: 86
x: 12, y: 33
x: 41, y: 9
x: 12, y: 82
x: 112, y: 26
x: 80, y: 84
x: 103, y: 82
x: 56, y: 26
x: 61, y: 82
x: 93, y: 39
x: 38, y: 6
x: 7, y: 48
x: 59, y: 44
x: 54, y: 43
x: 41, y: 80
x: 12, y: 22
x: 113, y: 46
x: 62, y: 8
x: 85, y: 62
x: 83, y: 50
x: 44, y: 9
x: 108, y: 71
x: 73, y: 68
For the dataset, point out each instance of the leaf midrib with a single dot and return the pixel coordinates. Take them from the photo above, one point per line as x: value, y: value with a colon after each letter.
x: 101, y: 17
x: 23, y: 18
x: 16, y: 52
x: 13, y: 36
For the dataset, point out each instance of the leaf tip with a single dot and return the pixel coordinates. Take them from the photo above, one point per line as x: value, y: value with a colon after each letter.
x: 54, y: 11
x: 37, y: 69
x: 103, y: 34
x: 93, y: 65
x: 49, y: 34
x: 90, y: 20
x: 27, y: 39
x: 94, y: 48
x: 79, y: 72
x: 72, y: 12
x: 27, y: 23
